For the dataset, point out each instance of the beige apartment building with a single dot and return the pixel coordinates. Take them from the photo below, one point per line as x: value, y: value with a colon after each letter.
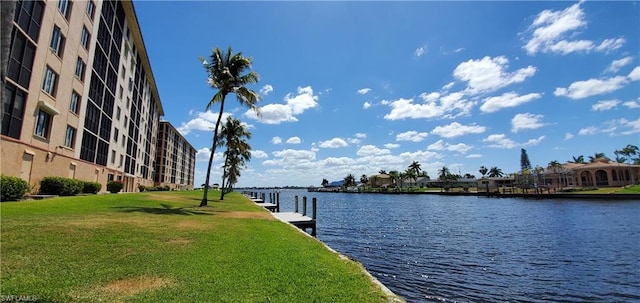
x: 81, y: 100
x: 176, y: 159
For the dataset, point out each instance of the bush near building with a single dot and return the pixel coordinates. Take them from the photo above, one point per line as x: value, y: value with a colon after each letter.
x: 61, y: 186
x: 13, y: 188
x: 91, y: 187
x: 114, y: 186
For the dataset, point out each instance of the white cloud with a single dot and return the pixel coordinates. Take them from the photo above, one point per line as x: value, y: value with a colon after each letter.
x: 448, y: 86
x: 526, y: 121
x: 588, y: 131
x: 500, y: 141
x: 553, y: 31
x: 366, y: 105
x: 420, y: 51
x: 632, y: 104
x: 456, y: 129
x: 276, y: 140
x: 265, y: 90
x: 506, y: 100
x: 448, y: 106
x: 364, y: 91
x: 591, y: 87
x: 634, y: 75
x: 204, y: 121
x: 203, y: 154
x: 294, y: 140
x: 633, y: 125
x: 361, y: 135
x: 489, y: 74
x: 334, y: 143
x: 616, y: 65
x: 568, y: 136
x: 371, y: 150
x: 391, y: 145
x: 605, y: 105
x: 411, y: 135
x: 532, y: 142
x: 474, y: 156
x: 295, y: 104
x: 294, y: 154
x: 441, y: 145
x: 258, y: 154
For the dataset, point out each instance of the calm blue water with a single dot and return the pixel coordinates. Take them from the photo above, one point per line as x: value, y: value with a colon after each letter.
x: 430, y: 248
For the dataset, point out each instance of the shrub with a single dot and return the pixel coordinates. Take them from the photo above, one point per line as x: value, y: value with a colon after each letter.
x: 60, y: 186
x: 13, y: 188
x: 91, y: 187
x: 142, y: 188
x: 114, y: 186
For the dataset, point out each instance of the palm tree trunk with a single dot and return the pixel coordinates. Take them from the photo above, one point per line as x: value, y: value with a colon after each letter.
x: 213, y: 151
x: 224, y: 170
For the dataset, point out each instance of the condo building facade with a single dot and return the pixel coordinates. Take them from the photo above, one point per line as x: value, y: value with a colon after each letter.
x: 175, y: 161
x: 80, y: 97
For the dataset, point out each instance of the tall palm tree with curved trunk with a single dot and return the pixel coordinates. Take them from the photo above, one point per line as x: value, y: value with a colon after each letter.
x: 232, y: 135
x: 495, y: 172
x: 227, y: 72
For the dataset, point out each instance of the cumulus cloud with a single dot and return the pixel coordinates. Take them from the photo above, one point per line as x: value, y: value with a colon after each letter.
x: 604, y: 105
x: 456, y: 129
x: 364, y: 91
x: 433, y: 106
x: 366, y: 105
x: 391, y: 145
x: 500, y: 141
x: 588, y: 131
x: 276, y: 140
x: 526, y: 121
x: 265, y: 90
x: 294, y: 140
x: 506, y: 100
x: 632, y: 104
x: 420, y: 51
x: 615, y: 127
x: 441, y: 145
x: 360, y: 135
x: 203, y: 121
x: 616, y: 65
x: 591, y: 87
x: 334, y: 143
x: 276, y: 113
x: 533, y: 142
x: 411, y: 135
x: 294, y: 154
x: 258, y: 154
x: 372, y: 150
x: 470, y: 156
x: 634, y: 75
x: 203, y: 154
x: 568, y: 136
x: 554, y: 32
x: 489, y: 74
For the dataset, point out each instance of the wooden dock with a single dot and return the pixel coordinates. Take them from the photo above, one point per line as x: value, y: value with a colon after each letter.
x: 299, y: 220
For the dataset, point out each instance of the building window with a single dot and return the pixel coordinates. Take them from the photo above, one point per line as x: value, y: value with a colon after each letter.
x: 43, y: 124
x: 80, y: 67
x: 57, y: 41
x: 70, y: 137
x: 85, y: 37
x: 113, y: 156
x: 118, y: 113
x: 91, y: 8
x: 120, y: 92
x: 121, y: 160
x: 21, y: 59
x: 13, y: 110
x: 28, y: 15
x: 65, y: 8
x: 75, y: 102
x: 116, y: 134
x: 50, y: 81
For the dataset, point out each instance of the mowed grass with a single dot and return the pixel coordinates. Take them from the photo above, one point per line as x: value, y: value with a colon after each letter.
x: 162, y: 247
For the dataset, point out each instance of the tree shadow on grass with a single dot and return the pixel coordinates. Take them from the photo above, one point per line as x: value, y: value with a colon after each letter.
x: 165, y: 209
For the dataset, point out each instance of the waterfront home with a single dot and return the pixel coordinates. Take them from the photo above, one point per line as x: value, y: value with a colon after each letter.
x: 604, y: 173
x: 494, y: 184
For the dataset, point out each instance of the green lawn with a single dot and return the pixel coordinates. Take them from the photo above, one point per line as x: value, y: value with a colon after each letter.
x: 162, y: 247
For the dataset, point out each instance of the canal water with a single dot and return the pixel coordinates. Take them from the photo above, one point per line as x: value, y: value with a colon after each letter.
x: 431, y: 248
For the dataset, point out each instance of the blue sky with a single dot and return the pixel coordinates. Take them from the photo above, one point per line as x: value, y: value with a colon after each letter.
x: 357, y: 87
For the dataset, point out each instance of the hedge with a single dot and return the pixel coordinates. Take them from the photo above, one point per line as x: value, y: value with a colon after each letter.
x: 61, y: 186
x: 91, y: 187
x: 12, y: 188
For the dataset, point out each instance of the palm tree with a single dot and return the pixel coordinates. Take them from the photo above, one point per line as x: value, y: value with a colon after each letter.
x: 411, y: 174
x: 364, y: 179
x: 579, y: 159
x: 226, y: 73
x: 483, y: 170
x: 443, y: 173
x: 394, y: 175
x: 597, y: 156
x: 325, y: 182
x: 629, y: 151
x: 238, y: 151
x: 415, y: 167
x: 382, y: 172
x: 495, y: 172
x: 349, y: 180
